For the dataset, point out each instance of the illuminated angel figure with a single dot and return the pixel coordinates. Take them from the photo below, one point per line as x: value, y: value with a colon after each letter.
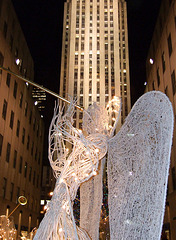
x: 74, y: 158
x: 138, y: 165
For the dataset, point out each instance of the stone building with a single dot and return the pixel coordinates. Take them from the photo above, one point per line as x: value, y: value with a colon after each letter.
x: 161, y: 69
x: 21, y: 126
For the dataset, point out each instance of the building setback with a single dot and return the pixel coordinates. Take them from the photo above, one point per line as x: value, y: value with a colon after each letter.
x: 161, y: 67
x: 95, y: 65
x: 21, y: 126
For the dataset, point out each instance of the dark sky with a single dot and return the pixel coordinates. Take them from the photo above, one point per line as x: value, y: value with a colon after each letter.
x: 142, y: 15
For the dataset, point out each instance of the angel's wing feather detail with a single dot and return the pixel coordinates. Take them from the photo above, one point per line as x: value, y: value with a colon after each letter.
x: 138, y: 165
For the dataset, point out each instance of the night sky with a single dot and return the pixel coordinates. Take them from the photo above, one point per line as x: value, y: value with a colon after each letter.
x: 41, y: 22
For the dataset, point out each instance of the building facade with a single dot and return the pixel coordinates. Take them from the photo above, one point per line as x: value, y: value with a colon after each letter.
x: 21, y: 126
x: 161, y: 70
x: 39, y: 97
x: 95, y: 65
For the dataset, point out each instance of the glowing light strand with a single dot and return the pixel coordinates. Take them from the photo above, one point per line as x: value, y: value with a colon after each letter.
x: 73, y: 167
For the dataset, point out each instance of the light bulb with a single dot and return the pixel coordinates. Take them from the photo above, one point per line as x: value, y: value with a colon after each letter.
x: 151, y: 61
x: 61, y: 180
x: 17, y: 61
x: 87, y: 153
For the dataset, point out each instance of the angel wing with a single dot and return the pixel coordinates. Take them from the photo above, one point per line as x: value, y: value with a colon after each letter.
x: 138, y: 166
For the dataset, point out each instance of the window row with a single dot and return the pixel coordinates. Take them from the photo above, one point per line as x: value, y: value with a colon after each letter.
x: 11, y: 123
x: 32, y: 176
x: 16, y: 194
x: 37, y: 155
x: 18, y: 61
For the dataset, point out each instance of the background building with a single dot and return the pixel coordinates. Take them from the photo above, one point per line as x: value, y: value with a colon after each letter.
x: 94, y: 64
x: 21, y: 127
x: 39, y: 97
x: 95, y: 61
x: 161, y: 67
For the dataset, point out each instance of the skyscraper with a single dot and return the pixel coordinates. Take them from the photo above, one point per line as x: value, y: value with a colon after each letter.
x: 95, y: 65
x: 94, y: 68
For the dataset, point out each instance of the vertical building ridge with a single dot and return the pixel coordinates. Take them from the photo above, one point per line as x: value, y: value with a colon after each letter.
x: 95, y: 64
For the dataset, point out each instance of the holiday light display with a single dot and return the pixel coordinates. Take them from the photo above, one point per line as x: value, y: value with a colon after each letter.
x: 7, y: 228
x: 74, y: 158
x: 137, y: 167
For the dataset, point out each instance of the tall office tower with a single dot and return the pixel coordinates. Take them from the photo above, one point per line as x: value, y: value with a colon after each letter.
x: 94, y: 68
x: 95, y: 65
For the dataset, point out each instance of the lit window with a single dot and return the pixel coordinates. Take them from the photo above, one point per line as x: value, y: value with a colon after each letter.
x: 42, y: 202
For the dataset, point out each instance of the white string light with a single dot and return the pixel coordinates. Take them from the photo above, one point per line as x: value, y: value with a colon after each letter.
x: 75, y: 166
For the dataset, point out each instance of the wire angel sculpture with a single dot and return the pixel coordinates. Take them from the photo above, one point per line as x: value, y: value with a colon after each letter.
x: 138, y: 165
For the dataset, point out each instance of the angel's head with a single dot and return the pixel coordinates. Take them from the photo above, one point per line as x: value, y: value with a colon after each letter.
x: 99, y: 119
